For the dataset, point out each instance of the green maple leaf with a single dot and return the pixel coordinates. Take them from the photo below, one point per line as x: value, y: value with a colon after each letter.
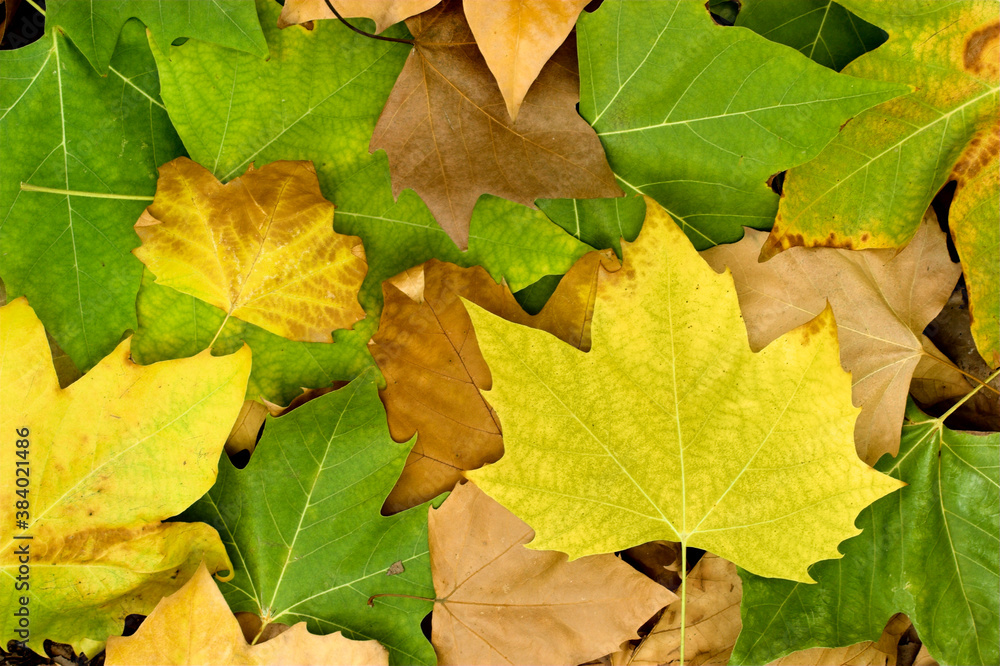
x: 599, y: 223
x: 818, y: 29
x: 698, y: 116
x: 94, y: 26
x: 670, y: 428
x: 64, y: 126
x: 302, y: 525
x: 317, y: 98
x: 910, y: 147
x: 929, y: 551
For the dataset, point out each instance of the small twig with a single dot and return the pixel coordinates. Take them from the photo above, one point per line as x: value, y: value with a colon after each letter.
x: 362, y: 32
x: 371, y: 599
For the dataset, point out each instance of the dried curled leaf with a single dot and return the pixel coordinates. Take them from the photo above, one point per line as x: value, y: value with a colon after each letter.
x: 261, y: 247
x: 712, y: 615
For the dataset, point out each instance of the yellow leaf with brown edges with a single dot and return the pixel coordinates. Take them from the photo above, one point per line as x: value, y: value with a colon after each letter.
x: 261, y: 247
x: 383, y: 12
x: 194, y: 626
x: 517, y: 38
x: 107, y: 459
x: 427, y: 352
x: 501, y: 603
x: 448, y: 135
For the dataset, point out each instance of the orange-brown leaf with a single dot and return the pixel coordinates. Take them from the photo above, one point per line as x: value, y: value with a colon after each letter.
x: 427, y: 351
x: 517, y: 38
x: 446, y: 129
x: 261, y: 247
x: 502, y: 603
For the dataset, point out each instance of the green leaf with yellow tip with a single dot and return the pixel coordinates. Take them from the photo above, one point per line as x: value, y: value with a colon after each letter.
x: 106, y: 460
x: 699, y: 116
x: 929, y: 551
x: 870, y: 187
x: 671, y: 428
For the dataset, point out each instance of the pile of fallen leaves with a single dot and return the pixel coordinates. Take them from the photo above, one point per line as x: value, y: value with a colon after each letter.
x: 550, y: 332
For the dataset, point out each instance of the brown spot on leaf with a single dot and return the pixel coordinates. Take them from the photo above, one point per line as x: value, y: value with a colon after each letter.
x: 980, y: 151
x: 980, y: 55
x: 810, y: 328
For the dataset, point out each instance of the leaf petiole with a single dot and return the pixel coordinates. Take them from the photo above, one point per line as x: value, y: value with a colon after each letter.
x: 362, y: 32
x: 947, y: 362
x: 684, y: 567
x: 35, y: 5
x: 216, y: 337
x: 968, y: 395
x: 25, y: 187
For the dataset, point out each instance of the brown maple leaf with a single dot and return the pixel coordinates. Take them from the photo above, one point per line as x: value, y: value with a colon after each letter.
x: 448, y: 136
x: 882, y: 300
x: 502, y: 603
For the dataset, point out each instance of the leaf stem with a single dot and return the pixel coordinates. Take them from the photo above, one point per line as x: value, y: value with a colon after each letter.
x: 371, y: 599
x: 967, y: 396
x: 263, y: 626
x: 948, y: 363
x: 684, y: 570
x: 224, y: 321
x: 25, y: 187
x: 37, y: 8
x: 359, y: 31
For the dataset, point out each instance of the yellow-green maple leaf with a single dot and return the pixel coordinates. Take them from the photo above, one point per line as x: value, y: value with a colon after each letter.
x: 671, y: 428
x: 261, y: 247
x: 106, y: 459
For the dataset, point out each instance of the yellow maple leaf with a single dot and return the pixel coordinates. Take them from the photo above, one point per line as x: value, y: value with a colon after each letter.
x: 103, y: 462
x: 261, y: 247
x: 195, y: 626
x: 671, y: 428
